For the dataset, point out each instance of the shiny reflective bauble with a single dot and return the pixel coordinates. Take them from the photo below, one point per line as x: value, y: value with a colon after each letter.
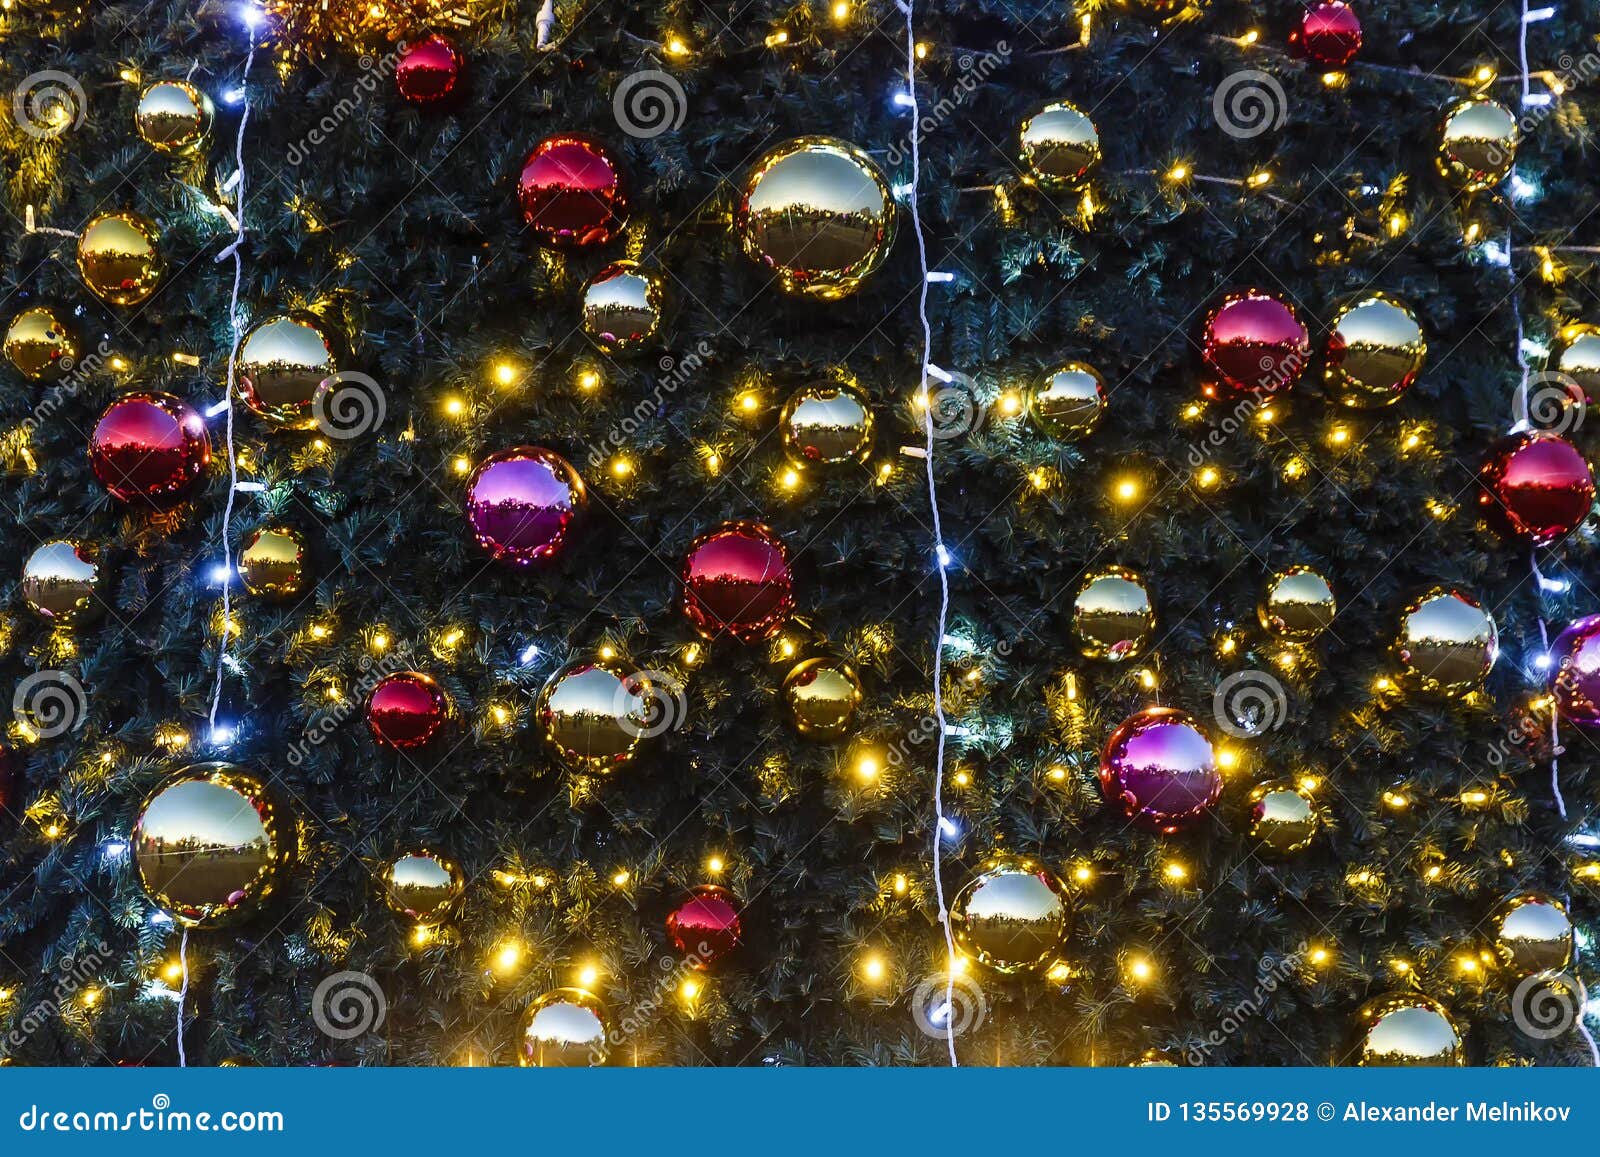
x: 1298, y: 604
x: 1329, y: 35
x: 1060, y: 147
x: 283, y: 363
x: 522, y: 503
x: 422, y: 885
x: 736, y: 581
x: 1575, y: 672
x: 1477, y: 144
x: 1011, y: 916
x: 1253, y: 343
x: 571, y: 192
x: 1448, y: 641
x: 1112, y: 615
x: 40, y: 345
x: 826, y: 424
x: 1405, y: 1029
x: 60, y: 581
x: 238, y: 1062
x: 428, y: 70
x: 1154, y: 1059
x: 594, y: 716
x: 272, y: 563
x: 1068, y: 403
x: 1375, y: 351
x: 564, y: 1028
x: 1535, y: 487
x: 1160, y: 769
x: 118, y: 258
x: 622, y: 306
x: 822, y: 696
x: 1576, y: 353
x: 406, y: 710
x: 173, y: 116
x: 210, y: 844
x: 149, y: 449
x: 1282, y: 816
x: 706, y: 927
x: 818, y: 212
x: 1532, y: 932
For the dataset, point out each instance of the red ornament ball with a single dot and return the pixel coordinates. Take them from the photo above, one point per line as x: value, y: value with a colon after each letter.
x: 429, y: 70
x: 1329, y: 35
x: 406, y: 710
x: 1575, y: 672
x: 521, y: 504
x: 736, y: 581
x: 706, y: 926
x: 1253, y: 343
x: 1535, y: 487
x: 1160, y: 768
x: 571, y: 192
x: 149, y: 449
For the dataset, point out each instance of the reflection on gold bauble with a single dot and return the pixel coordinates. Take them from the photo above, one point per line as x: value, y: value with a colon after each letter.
x: 822, y: 696
x: 1067, y: 403
x: 1375, y: 351
x: 210, y: 844
x: 282, y: 364
x: 1532, y: 933
x: 238, y: 1062
x: 1112, y: 615
x: 1154, y: 1059
x: 818, y: 211
x: 1576, y: 353
x: 1282, y: 816
x: 621, y: 306
x: 119, y: 258
x: 594, y: 715
x: 40, y: 345
x: 564, y: 1028
x: 60, y: 581
x: 1060, y: 147
x: 422, y: 885
x: 272, y: 563
x: 173, y: 116
x: 826, y: 423
x: 1012, y: 916
x: 1407, y: 1029
x: 1448, y: 642
x: 1477, y: 144
x: 1298, y: 604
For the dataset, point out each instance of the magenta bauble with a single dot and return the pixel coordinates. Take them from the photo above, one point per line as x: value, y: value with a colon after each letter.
x: 1160, y: 769
x: 522, y: 503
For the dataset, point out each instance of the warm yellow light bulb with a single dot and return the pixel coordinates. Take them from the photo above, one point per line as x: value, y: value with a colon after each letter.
x: 454, y: 407
x: 873, y: 968
x: 621, y: 467
x: 841, y: 11
x: 1175, y: 872
x: 508, y: 955
x: 588, y: 975
x: 714, y: 865
x: 867, y: 767
x: 1126, y: 489
x: 620, y: 877
x: 505, y: 373
x: 589, y: 380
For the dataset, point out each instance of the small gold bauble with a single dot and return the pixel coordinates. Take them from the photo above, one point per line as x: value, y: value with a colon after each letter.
x: 1282, y: 816
x: 564, y: 1028
x: 1298, y: 604
x: 283, y: 362
x: 594, y: 715
x: 826, y: 423
x: 1112, y: 614
x: 1477, y: 144
x: 1011, y: 916
x: 1532, y: 933
x: 238, y: 1062
x: 272, y: 563
x: 40, y: 345
x: 1577, y: 354
x: 1407, y: 1029
x: 1448, y: 642
x: 1060, y: 147
x: 822, y: 696
x: 1068, y: 403
x: 422, y: 885
x: 621, y: 306
x: 60, y: 581
x: 1154, y: 1059
x: 1375, y: 351
x: 119, y: 258
x: 173, y: 116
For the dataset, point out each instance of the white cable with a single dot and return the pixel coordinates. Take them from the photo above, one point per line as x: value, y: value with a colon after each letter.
x: 183, y: 994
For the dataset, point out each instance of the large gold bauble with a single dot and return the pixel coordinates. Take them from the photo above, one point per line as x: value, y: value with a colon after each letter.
x: 1448, y: 642
x: 211, y: 844
x: 1577, y: 354
x: 622, y: 306
x: 825, y: 423
x: 60, y: 582
x: 822, y: 696
x: 1477, y: 144
x: 1112, y: 615
x: 1060, y: 147
x: 818, y: 211
x: 1407, y: 1029
x: 119, y: 258
x: 40, y: 345
x: 595, y: 715
x: 1068, y: 403
x: 422, y: 885
x: 564, y: 1028
x: 283, y: 363
x: 1297, y: 604
x: 1375, y: 351
x: 272, y: 563
x: 1282, y: 816
x: 1532, y: 933
x: 1012, y: 916
x: 173, y: 116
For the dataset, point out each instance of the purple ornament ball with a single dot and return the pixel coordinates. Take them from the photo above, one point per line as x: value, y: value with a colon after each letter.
x: 1575, y: 672
x: 521, y: 504
x: 1160, y: 768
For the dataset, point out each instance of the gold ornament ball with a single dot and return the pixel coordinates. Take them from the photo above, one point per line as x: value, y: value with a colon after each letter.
x: 1477, y: 144
x: 1060, y: 147
x: 1112, y: 615
x: 1298, y: 604
x: 119, y: 258
x: 1068, y: 403
x: 1577, y: 354
x: 818, y: 211
x: 60, y: 580
x: 422, y: 885
x: 1012, y: 916
x: 272, y: 562
x: 173, y: 116
x: 211, y: 844
x: 1532, y: 933
x: 826, y: 424
x: 39, y: 344
x: 595, y: 715
x: 1154, y: 1059
x: 283, y: 363
x: 1283, y: 817
x: 621, y: 306
x: 1407, y: 1029
x: 822, y: 696
x: 1375, y: 352
x: 1448, y: 642
x: 564, y: 1028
